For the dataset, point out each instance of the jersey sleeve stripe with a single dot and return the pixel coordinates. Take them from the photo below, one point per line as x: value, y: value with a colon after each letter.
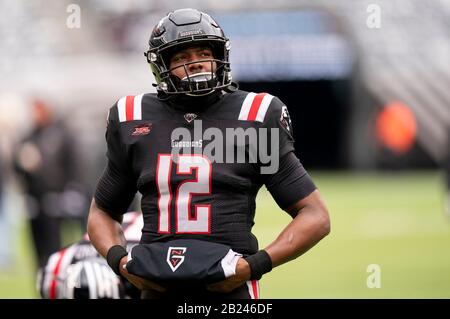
x: 137, y: 115
x: 263, y: 108
x: 245, y: 108
x: 129, y: 107
x: 255, y: 106
x: 121, y: 110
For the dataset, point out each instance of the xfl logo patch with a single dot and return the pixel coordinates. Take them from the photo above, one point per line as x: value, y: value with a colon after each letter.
x: 175, y: 257
x: 142, y: 129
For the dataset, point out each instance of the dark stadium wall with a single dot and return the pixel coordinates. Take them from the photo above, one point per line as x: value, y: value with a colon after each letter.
x: 319, y: 112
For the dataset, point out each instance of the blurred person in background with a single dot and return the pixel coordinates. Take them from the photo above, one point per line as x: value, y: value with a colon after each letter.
x: 79, y: 272
x: 4, y: 249
x: 447, y: 178
x: 13, y: 125
x: 46, y: 163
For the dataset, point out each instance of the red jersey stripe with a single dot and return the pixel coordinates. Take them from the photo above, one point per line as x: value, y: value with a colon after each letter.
x: 255, y: 106
x: 129, y: 106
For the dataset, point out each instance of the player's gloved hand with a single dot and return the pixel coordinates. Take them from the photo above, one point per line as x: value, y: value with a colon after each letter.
x: 242, y: 275
x: 139, y: 282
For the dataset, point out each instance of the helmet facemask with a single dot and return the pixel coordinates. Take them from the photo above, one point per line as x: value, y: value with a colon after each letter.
x: 197, y: 84
x: 200, y: 83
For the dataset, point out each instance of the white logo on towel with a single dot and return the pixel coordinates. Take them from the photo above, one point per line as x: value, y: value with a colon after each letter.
x: 175, y: 257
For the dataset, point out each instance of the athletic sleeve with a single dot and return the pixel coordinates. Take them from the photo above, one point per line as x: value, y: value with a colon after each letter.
x: 117, y: 186
x: 277, y: 118
x: 284, y: 175
x: 290, y: 183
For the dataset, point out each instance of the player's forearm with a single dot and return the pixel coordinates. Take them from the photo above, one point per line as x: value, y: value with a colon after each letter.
x: 302, y: 233
x: 104, y: 232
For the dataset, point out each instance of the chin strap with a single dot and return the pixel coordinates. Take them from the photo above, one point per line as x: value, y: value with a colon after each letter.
x: 233, y: 87
x: 200, y: 94
x: 162, y: 96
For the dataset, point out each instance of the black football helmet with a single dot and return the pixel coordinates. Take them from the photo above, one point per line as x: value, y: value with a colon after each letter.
x: 186, y: 28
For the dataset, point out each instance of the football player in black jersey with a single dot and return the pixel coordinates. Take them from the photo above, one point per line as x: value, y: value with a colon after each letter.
x: 199, y: 151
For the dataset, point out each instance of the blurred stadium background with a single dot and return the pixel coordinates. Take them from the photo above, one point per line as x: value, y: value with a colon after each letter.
x: 366, y: 83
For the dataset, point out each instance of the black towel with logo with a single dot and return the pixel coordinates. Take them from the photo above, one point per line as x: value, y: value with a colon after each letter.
x: 182, y: 261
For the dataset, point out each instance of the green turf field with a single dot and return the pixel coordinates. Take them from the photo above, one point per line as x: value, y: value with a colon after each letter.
x: 394, y: 220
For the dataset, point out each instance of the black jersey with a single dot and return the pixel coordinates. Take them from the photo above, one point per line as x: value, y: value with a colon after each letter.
x: 198, y: 187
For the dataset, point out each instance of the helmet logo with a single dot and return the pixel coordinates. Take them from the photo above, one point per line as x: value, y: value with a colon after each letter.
x: 175, y: 257
x: 190, y: 33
